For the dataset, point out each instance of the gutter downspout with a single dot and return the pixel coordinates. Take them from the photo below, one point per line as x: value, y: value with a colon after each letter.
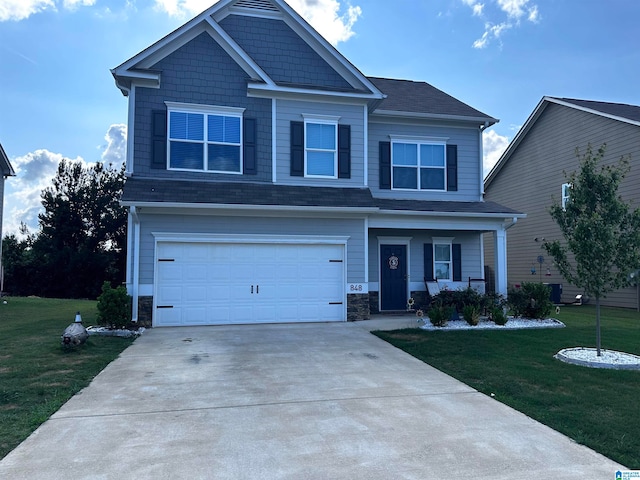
x: 136, y: 262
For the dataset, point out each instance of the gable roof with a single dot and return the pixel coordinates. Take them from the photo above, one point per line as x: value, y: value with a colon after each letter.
x: 423, y: 100
x: 615, y: 111
x: 139, y: 67
x: 6, y: 170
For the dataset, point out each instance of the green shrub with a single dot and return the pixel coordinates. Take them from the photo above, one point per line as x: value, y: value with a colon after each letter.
x: 439, y: 315
x: 461, y: 298
x: 531, y: 300
x: 498, y: 316
x: 471, y: 314
x: 114, y: 307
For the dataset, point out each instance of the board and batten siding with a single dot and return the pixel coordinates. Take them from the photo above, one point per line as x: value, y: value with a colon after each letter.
x: 532, y: 178
x: 250, y: 225
x: 469, y: 164
x: 470, y: 247
x: 200, y: 72
x: 292, y: 110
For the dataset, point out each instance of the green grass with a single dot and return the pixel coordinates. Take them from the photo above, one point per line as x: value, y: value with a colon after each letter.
x: 596, y: 407
x: 36, y: 375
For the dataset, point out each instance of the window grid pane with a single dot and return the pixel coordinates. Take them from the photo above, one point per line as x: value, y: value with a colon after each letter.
x: 442, y: 252
x: 405, y: 154
x: 186, y: 126
x: 405, y: 177
x: 320, y: 136
x: 432, y: 155
x: 442, y: 270
x: 432, y: 178
x: 224, y: 158
x: 321, y: 163
x: 187, y: 155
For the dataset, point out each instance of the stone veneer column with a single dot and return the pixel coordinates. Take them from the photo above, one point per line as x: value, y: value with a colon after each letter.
x: 358, y: 307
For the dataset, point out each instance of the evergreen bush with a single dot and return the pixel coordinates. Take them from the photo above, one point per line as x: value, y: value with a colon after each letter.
x: 114, y: 307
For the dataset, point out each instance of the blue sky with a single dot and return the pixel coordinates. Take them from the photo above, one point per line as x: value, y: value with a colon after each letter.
x: 58, y: 99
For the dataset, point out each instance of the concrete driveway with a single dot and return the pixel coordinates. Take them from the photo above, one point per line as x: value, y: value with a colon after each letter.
x: 312, y: 401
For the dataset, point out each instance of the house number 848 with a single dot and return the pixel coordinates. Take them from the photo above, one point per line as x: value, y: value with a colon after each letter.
x: 355, y: 288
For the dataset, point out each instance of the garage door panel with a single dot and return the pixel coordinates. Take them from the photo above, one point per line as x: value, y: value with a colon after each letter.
x: 212, y: 283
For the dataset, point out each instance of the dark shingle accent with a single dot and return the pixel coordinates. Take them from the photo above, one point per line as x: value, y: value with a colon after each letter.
x: 420, y: 97
x: 630, y: 112
x: 148, y: 190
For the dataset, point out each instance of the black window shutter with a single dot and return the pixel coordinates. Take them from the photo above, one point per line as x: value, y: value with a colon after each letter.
x: 158, y: 139
x: 456, y: 253
x: 297, y: 149
x: 385, y: 166
x: 344, y: 151
x: 452, y: 168
x: 249, y: 145
x: 428, y: 262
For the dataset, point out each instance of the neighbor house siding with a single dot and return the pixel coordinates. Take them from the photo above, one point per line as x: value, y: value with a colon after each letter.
x: 531, y: 180
x: 200, y: 72
x: 467, y: 140
x: 248, y: 225
x: 290, y: 110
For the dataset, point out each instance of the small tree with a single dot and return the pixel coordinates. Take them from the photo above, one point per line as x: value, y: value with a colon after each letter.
x: 600, y: 230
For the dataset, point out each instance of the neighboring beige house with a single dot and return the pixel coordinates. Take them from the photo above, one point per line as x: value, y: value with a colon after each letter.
x: 6, y: 170
x: 530, y: 176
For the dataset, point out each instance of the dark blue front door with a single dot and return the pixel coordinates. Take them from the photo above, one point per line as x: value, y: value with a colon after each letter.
x: 393, y: 277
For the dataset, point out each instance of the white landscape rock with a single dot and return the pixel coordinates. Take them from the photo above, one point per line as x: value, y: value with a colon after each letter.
x: 588, y: 357
x: 485, y: 324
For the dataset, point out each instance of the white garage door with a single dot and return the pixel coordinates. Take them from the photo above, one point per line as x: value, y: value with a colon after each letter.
x: 218, y: 283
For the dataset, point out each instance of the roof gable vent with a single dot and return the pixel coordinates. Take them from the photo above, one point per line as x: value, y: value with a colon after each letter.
x: 264, y: 5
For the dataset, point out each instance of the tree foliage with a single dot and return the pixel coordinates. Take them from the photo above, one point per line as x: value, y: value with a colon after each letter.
x: 601, y: 233
x: 81, y: 239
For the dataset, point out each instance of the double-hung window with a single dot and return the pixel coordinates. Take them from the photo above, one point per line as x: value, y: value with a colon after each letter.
x: 320, y: 149
x: 419, y: 164
x: 442, y: 261
x: 204, y: 138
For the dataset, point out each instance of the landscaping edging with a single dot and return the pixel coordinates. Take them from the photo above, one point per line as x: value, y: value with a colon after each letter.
x: 110, y: 332
x: 485, y: 324
x: 619, y: 360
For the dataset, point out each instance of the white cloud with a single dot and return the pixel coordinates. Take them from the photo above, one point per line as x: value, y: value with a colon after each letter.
x: 493, y: 146
x: 331, y: 18
x: 35, y: 172
x: 21, y: 9
x: 494, y: 26
x: 116, y: 149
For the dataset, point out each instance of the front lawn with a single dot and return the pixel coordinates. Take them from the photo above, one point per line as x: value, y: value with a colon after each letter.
x: 36, y: 376
x: 597, y: 408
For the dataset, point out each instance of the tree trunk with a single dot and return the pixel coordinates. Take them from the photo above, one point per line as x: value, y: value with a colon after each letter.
x: 598, y: 325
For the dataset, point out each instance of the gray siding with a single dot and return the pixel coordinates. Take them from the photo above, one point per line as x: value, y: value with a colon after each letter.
x: 532, y: 179
x: 290, y: 110
x: 281, y: 53
x: 470, y: 247
x: 200, y: 72
x: 467, y: 140
x: 241, y: 225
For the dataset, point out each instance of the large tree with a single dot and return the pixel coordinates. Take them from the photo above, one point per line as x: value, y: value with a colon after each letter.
x: 601, y: 232
x: 82, y: 236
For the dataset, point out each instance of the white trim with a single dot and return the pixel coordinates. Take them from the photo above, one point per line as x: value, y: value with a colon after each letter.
x: 321, y: 120
x: 204, y: 108
x: 564, y: 197
x: 274, y: 139
x: 145, y: 289
x: 136, y: 263
x: 400, y: 113
x: 131, y: 120
x: 419, y: 139
x: 129, y: 273
x: 481, y: 167
x: 365, y: 126
x: 255, y: 90
x: 366, y: 249
x: 231, y: 206
x: 324, y: 119
x: 247, y: 238
x: 406, y: 241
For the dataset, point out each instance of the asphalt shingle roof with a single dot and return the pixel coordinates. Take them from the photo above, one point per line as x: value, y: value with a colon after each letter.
x: 150, y: 190
x: 420, y: 97
x: 630, y: 112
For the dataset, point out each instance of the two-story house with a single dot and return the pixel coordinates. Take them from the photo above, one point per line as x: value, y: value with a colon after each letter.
x: 269, y: 180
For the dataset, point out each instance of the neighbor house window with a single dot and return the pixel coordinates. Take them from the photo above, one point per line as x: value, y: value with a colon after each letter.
x: 566, y: 189
x: 419, y: 165
x: 320, y: 146
x: 442, y: 260
x: 203, y: 138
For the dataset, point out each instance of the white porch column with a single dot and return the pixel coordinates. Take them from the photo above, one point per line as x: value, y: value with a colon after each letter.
x: 500, y: 249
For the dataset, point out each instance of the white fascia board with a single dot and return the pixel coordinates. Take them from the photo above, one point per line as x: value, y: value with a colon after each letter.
x: 414, y: 213
x: 240, y: 238
x: 276, y: 91
x: 457, y: 118
x: 437, y: 223
x: 229, y: 206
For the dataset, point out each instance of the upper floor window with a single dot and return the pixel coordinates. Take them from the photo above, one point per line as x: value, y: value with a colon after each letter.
x: 418, y: 165
x: 320, y: 146
x: 566, y: 189
x: 204, y: 138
